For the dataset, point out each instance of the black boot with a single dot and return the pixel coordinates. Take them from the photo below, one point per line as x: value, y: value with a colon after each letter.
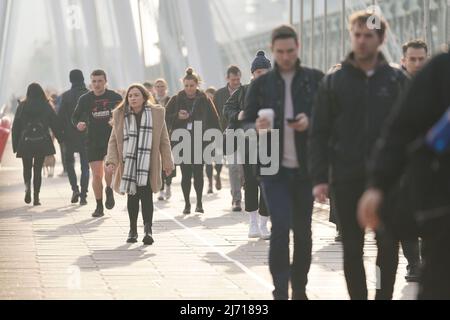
x: 75, y: 196
x: 98, y: 213
x: 27, y: 193
x: 187, y: 209
x: 132, y: 235
x: 109, y: 203
x: 36, y: 201
x: 148, y: 239
x: 199, y: 207
x: 83, y: 199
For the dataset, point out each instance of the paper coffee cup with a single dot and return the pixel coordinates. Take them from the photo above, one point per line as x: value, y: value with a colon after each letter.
x: 268, y: 114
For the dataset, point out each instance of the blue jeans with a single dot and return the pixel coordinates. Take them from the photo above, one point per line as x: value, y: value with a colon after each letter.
x: 70, y: 166
x: 290, y: 203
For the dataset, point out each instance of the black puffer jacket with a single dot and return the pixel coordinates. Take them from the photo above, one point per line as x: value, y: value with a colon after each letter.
x: 401, y: 148
x: 35, y: 113
x: 348, y: 115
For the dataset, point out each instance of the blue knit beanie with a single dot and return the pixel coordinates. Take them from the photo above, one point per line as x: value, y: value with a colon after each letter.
x: 261, y: 62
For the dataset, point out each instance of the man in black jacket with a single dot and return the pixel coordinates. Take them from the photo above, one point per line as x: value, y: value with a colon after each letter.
x: 75, y: 141
x: 427, y: 101
x: 233, y: 113
x: 352, y: 105
x: 288, y: 90
x: 235, y: 171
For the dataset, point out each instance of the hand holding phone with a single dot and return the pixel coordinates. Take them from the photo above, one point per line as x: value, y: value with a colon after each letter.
x: 300, y: 123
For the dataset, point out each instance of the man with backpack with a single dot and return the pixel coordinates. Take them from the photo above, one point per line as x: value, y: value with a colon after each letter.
x: 416, y: 142
x: 75, y: 141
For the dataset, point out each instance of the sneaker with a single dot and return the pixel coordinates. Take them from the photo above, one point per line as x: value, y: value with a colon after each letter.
x: 110, y: 203
x: 412, y: 274
x: 264, y: 232
x: 168, y: 192
x: 253, y: 231
x: 75, y: 197
x: 161, y: 196
x: 237, y: 206
x: 98, y: 213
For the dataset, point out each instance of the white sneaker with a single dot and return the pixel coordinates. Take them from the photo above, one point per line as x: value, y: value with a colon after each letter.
x: 253, y: 231
x: 168, y: 192
x: 161, y: 196
x: 264, y: 232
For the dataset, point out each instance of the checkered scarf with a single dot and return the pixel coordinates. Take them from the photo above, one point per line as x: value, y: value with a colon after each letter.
x: 137, y: 147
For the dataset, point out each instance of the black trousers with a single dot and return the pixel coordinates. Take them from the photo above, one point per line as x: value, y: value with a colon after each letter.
x: 144, y: 195
x: 347, y: 196
x: 209, y: 170
x: 251, y: 189
x: 187, y: 172
x: 435, y: 278
x: 33, y: 164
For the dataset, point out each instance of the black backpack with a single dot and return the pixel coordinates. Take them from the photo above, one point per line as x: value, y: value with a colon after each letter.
x: 35, y: 137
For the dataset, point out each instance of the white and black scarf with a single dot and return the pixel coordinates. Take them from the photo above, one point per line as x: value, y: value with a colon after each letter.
x: 137, y: 148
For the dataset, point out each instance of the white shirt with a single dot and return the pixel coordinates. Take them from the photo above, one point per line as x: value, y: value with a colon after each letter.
x: 289, y: 149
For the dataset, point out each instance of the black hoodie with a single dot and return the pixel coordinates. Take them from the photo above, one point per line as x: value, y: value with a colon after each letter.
x: 74, y: 139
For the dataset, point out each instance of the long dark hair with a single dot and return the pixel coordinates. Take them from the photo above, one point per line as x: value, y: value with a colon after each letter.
x: 35, y: 94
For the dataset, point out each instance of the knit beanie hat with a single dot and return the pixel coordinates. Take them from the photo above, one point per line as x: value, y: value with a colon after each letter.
x: 261, y: 62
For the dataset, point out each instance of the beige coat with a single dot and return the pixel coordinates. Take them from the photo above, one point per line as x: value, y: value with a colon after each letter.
x: 161, y: 150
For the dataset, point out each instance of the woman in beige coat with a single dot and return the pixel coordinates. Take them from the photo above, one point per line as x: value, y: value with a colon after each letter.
x: 139, y: 148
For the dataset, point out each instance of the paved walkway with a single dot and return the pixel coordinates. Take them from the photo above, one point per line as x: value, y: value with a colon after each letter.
x: 57, y: 251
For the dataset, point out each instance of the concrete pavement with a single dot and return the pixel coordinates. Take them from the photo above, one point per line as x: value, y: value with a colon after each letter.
x: 57, y: 251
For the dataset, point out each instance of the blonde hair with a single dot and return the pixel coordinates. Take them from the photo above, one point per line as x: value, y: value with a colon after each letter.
x: 161, y: 80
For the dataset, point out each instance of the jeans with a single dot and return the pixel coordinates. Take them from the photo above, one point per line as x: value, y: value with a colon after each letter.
x: 236, y: 177
x: 35, y: 164
x: 347, y: 196
x: 290, y: 203
x: 70, y: 166
x: 251, y: 188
